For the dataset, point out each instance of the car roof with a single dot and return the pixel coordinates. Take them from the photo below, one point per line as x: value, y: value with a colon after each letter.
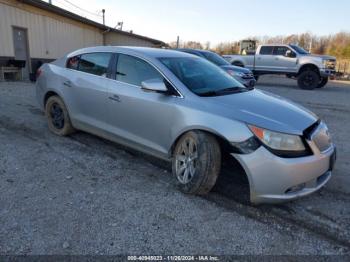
x: 194, y: 50
x: 144, y: 51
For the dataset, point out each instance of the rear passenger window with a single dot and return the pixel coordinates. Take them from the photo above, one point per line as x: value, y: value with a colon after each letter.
x: 133, y: 70
x: 266, y: 50
x: 95, y: 63
x: 73, y: 62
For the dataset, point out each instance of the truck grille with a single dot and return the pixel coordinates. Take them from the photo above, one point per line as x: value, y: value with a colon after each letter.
x: 248, y: 76
x: 320, y: 136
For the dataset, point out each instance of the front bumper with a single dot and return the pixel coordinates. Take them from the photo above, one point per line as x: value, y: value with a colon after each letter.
x: 274, y: 179
x: 327, y: 72
x: 250, y: 82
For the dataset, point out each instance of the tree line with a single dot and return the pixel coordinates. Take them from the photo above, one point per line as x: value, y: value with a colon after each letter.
x: 337, y: 45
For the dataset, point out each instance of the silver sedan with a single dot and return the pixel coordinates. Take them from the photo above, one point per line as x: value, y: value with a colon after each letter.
x: 184, y: 109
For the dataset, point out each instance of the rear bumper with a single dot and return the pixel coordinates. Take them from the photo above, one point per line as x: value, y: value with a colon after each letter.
x: 273, y: 179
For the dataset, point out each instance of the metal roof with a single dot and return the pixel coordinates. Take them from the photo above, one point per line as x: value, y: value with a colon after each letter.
x: 60, y: 11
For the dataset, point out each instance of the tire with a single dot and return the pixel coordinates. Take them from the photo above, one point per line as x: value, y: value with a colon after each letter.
x: 324, y: 81
x: 57, y: 117
x: 308, y: 80
x: 197, y: 176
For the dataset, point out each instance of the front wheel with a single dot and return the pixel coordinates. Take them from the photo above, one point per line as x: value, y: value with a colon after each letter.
x: 323, y: 82
x: 308, y: 80
x: 196, y: 162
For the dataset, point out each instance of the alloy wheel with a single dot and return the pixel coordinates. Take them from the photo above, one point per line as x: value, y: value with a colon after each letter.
x: 186, y: 161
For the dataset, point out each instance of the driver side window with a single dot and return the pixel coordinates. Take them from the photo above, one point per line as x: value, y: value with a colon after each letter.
x: 134, y: 71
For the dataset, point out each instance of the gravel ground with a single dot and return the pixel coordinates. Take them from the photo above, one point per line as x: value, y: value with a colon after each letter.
x: 85, y: 195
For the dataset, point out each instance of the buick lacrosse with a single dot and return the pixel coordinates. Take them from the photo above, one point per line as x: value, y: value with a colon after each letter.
x: 184, y: 109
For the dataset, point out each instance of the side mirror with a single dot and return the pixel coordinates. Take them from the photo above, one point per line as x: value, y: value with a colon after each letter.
x: 290, y: 53
x: 154, y: 85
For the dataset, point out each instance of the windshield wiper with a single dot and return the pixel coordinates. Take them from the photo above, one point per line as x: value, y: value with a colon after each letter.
x: 232, y: 90
x: 225, y: 91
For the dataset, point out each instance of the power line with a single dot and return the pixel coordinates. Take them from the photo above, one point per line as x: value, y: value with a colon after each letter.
x: 84, y: 10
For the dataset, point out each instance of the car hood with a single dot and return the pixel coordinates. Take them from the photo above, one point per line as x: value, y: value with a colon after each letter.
x: 326, y: 57
x: 264, y: 109
x: 236, y: 69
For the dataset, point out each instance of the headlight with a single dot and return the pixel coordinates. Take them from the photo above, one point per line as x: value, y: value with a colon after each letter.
x: 233, y: 73
x: 281, y: 144
x: 329, y: 64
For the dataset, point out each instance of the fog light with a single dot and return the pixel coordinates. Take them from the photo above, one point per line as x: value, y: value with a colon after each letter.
x: 295, y: 189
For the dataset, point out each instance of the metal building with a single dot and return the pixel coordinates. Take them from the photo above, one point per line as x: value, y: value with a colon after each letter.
x: 35, y: 32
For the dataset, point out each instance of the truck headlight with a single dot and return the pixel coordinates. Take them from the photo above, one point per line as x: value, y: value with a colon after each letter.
x: 328, y: 64
x: 284, y: 145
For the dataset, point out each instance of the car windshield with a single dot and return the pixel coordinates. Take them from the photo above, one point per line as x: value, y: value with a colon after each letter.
x: 215, y: 58
x: 202, y: 77
x: 299, y: 50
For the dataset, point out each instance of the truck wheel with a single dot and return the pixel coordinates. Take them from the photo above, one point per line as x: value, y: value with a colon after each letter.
x: 324, y: 81
x: 308, y: 80
x: 196, y: 162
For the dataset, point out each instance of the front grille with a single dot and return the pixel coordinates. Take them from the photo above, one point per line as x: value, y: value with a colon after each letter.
x: 321, y: 137
x: 248, y: 76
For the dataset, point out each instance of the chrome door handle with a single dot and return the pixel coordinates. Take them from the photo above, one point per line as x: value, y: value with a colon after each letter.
x: 114, y: 98
x: 67, y: 83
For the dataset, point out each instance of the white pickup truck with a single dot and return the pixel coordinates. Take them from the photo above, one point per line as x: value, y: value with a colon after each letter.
x: 311, y: 71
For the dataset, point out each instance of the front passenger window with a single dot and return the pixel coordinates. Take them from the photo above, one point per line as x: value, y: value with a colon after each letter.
x: 134, y: 71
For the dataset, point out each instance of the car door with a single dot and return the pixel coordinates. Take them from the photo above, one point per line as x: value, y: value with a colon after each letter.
x: 264, y: 61
x: 143, y: 119
x: 86, y: 82
x: 282, y: 62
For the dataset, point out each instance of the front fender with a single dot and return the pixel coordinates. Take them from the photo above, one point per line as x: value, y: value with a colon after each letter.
x: 227, y: 129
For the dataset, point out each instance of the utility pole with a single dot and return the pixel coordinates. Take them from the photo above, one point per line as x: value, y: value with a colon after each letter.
x: 120, y: 24
x: 178, y: 42
x: 103, y: 16
x: 310, y: 48
x: 50, y: 2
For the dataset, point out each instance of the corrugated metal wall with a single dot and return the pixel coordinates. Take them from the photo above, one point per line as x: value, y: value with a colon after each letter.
x: 113, y: 38
x: 49, y: 37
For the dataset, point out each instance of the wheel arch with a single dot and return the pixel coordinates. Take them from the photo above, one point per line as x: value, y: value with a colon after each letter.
x: 49, y: 94
x: 225, y: 147
x: 306, y: 67
x: 223, y: 142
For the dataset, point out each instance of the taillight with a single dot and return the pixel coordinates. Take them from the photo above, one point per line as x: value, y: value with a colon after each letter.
x: 38, y: 73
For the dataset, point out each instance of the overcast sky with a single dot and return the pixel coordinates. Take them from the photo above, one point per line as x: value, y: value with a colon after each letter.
x: 218, y: 20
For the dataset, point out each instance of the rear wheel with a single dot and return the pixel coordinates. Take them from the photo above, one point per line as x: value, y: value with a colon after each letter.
x: 323, y: 82
x: 196, y: 162
x: 308, y: 79
x: 58, y: 117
